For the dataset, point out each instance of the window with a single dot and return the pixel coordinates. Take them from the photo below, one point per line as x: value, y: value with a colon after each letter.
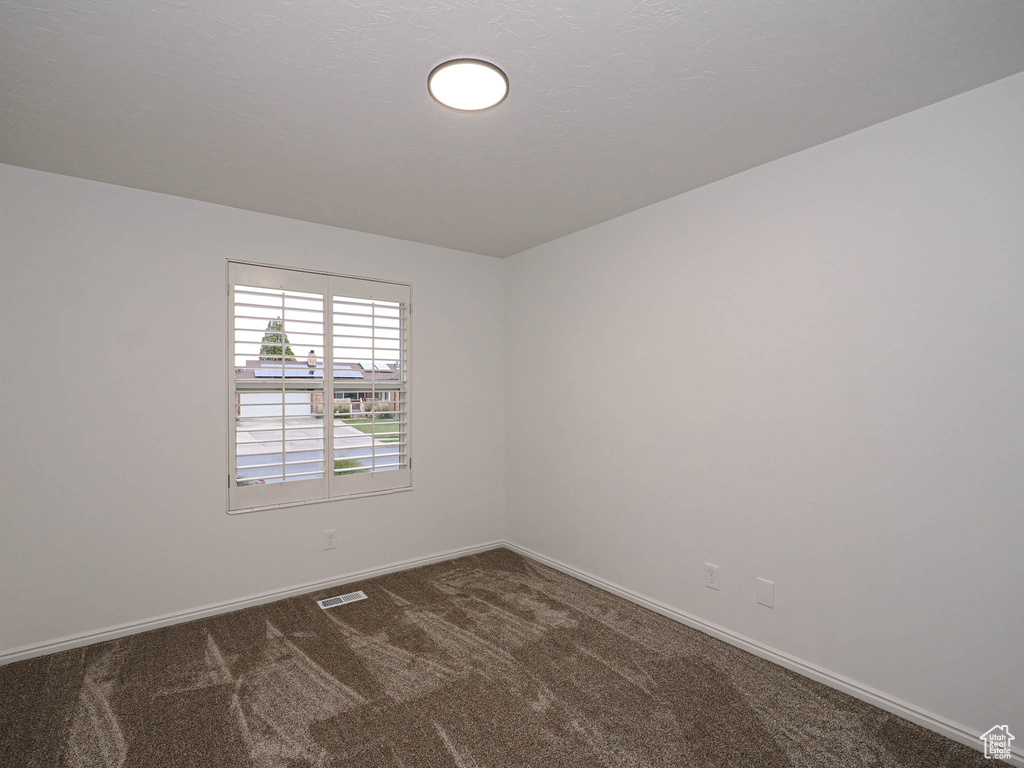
x: 316, y: 361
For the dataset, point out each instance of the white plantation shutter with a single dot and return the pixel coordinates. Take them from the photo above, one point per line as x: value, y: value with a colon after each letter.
x: 370, y: 324
x: 319, y: 394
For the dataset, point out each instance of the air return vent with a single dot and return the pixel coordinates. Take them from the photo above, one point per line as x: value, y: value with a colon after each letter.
x: 351, y: 597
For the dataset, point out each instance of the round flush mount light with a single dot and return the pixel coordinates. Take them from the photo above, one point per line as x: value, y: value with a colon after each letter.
x: 468, y: 85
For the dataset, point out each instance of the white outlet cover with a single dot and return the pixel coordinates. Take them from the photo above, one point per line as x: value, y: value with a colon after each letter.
x: 331, y: 538
x: 711, y: 579
x: 766, y: 592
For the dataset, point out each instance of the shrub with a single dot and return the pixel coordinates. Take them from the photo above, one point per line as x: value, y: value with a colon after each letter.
x: 352, y: 464
x: 383, y: 410
x: 343, y: 408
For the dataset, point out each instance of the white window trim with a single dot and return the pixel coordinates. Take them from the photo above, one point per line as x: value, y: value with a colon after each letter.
x: 371, y: 482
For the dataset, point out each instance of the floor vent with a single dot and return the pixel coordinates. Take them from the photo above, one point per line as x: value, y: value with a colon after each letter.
x: 351, y: 597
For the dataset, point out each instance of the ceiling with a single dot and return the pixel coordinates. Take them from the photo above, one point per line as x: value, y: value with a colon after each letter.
x: 318, y: 109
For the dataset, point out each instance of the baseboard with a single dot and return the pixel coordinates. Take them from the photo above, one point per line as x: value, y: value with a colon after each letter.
x: 134, y: 627
x: 906, y: 710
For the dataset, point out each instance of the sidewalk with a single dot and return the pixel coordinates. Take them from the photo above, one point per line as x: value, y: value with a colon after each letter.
x: 305, y: 433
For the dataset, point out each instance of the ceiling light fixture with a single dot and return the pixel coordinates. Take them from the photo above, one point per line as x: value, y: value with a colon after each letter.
x: 467, y: 85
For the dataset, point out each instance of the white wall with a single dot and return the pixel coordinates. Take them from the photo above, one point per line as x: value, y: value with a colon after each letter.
x: 811, y: 372
x: 113, y: 454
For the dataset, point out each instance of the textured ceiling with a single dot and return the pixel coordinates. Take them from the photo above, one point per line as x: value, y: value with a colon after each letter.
x: 318, y: 109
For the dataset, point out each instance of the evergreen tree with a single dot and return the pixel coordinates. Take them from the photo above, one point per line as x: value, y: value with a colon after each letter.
x: 273, y: 340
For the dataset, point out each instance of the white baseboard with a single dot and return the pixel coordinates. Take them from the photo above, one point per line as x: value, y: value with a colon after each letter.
x: 179, y: 617
x: 906, y: 710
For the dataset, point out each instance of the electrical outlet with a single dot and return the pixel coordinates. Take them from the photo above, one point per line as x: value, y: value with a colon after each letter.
x: 331, y: 538
x: 710, y: 576
x: 766, y: 592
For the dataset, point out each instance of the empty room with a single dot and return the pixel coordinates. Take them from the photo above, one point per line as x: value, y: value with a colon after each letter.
x: 483, y: 384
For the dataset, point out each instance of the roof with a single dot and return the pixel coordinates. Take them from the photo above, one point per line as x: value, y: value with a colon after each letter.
x: 299, y: 368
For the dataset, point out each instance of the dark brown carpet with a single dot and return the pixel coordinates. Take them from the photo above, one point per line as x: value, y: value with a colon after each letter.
x: 483, y: 662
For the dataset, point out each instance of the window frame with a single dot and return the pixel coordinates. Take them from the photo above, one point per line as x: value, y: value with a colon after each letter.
x: 334, y: 488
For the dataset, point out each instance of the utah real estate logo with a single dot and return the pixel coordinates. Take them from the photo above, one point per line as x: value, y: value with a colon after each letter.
x: 997, y: 742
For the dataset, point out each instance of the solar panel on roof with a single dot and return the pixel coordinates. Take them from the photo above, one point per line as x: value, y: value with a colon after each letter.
x: 301, y: 371
x: 290, y: 372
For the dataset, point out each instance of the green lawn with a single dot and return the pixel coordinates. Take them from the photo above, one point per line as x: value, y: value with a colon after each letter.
x: 386, y: 427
